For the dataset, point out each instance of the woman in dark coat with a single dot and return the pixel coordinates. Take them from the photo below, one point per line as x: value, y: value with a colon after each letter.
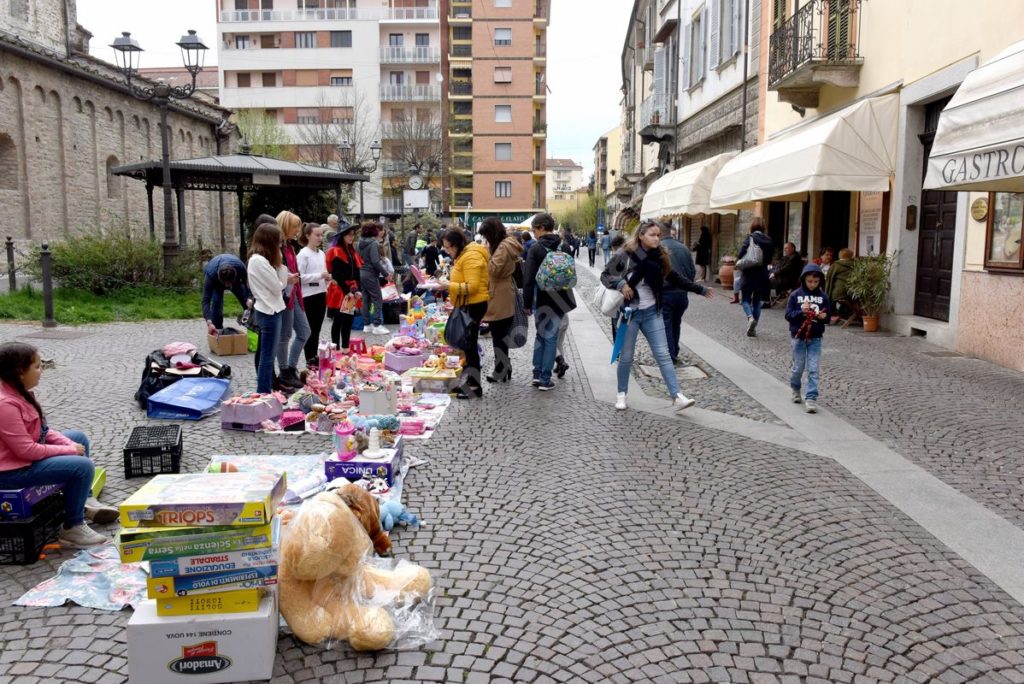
x: 702, y: 252
x: 755, y: 286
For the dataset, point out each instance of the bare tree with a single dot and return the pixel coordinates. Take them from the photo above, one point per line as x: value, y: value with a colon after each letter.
x: 415, y: 144
x: 262, y: 133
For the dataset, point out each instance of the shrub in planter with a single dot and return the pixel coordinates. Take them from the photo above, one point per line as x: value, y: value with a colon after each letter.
x: 869, y: 282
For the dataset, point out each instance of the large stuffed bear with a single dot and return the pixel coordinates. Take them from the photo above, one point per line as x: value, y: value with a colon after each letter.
x: 330, y: 590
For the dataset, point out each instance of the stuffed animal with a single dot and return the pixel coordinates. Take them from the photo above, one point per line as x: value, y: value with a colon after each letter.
x: 367, y: 510
x: 393, y: 511
x: 328, y: 589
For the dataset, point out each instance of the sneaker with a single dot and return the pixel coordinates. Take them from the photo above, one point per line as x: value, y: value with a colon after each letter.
x: 380, y: 330
x: 796, y: 396
x: 535, y: 382
x: 681, y: 402
x: 99, y: 512
x: 811, y: 406
x: 620, y: 401
x: 545, y: 386
x: 81, y: 536
x: 751, y: 327
x: 560, y: 367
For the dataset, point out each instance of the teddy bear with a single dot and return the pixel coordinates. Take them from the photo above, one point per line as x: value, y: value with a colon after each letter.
x: 367, y: 510
x: 328, y: 588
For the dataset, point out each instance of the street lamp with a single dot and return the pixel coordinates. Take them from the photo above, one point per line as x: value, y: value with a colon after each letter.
x: 127, y: 53
x: 345, y: 151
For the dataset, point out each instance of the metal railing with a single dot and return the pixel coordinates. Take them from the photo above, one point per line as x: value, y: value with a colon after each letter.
x: 460, y: 125
x: 410, y: 13
x: 821, y: 30
x: 461, y: 88
x: 540, y: 127
x: 654, y: 111
x: 410, y: 130
x: 462, y: 50
x: 391, y: 54
x: 409, y: 93
x: 392, y: 205
x: 541, y: 89
x: 353, y: 14
x: 461, y: 12
x: 462, y: 161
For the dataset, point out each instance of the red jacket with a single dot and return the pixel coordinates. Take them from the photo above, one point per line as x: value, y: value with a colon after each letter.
x: 335, y: 294
x: 20, y: 426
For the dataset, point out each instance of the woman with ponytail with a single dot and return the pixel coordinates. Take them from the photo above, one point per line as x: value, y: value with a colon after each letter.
x: 32, y: 455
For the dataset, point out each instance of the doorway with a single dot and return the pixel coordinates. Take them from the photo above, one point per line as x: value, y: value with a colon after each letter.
x: 835, y: 221
x: 936, y: 235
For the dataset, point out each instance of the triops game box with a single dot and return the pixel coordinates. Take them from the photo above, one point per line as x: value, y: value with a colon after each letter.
x: 200, y: 499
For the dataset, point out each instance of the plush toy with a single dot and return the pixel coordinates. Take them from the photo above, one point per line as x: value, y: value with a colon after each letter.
x: 328, y: 588
x: 367, y: 510
x: 393, y: 511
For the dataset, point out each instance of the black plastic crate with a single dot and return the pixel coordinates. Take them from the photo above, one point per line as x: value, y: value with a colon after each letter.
x: 21, y: 541
x: 152, y: 450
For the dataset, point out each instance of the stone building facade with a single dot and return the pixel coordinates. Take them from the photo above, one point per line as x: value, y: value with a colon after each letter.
x: 67, y: 118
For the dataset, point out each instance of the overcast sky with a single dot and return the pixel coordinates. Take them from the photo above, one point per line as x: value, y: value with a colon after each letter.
x: 584, y: 46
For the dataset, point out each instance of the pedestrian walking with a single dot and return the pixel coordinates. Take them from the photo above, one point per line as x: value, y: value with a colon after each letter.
x: 222, y: 273
x: 702, y: 252
x: 606, y: 247
x: 674, y: 300
x: 755, y: 287
x: 294, y: 325
x: 468, y: 288
x: 344, y: 264
x: 314, y: 277
x: 32, y: 455
x: 374, y: 268
x: 807, y: 309
x: 640, y: 273
x: 592, y: 248
x: 505, y: 253
x: 548, y: 305
x: 267, y: 278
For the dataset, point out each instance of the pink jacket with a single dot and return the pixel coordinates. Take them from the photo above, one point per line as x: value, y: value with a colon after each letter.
x: 19, y: 433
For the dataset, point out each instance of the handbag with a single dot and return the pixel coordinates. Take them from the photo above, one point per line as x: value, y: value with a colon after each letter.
x: 608, y: 301
x: 457, y: 329
x: 753, y: 257
x: 520, y: 325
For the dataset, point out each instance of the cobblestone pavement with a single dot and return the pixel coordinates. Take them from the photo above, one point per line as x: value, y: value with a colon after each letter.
x: 571, y: 542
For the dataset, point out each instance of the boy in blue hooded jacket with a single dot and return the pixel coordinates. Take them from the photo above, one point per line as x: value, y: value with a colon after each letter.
x: 807, y: 310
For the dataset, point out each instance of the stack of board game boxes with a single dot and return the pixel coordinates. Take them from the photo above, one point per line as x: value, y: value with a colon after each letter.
x: 210, y: 544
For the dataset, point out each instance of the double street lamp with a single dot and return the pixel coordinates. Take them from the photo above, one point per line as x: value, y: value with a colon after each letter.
x: 193, y: 52
x: 345, y: 151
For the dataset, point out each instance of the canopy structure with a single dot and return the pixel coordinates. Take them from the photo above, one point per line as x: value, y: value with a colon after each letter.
x: 686, y: 190
x: 528, y: 223
x: 979, y: 144
x: 239, y: 173
x: 853, y: 149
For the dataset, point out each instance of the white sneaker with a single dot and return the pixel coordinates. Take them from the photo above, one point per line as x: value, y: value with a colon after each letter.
x: 100, y: 513
x: 381, y: 330
x: 80, y: 536
x: 620, y: 401
x: 681, y: 402
x: 796, y: 397
x: 811, y: 406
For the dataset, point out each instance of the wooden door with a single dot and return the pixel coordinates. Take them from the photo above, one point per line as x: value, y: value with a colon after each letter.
x: 935, y: 239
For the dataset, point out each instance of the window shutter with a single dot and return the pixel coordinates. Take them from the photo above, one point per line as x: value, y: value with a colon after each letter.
x: 716, y: 33
x: 659, y: 72
x: 686, y: 57
x: 702, y: 59
x: 737, y: 27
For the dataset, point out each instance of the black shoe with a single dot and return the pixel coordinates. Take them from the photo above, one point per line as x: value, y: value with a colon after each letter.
x: 505, y: 377
x: 289, y: 378
x: 560, y: 367
x: 545, y: 386
x: 535, y: 382
x: 468, y: 392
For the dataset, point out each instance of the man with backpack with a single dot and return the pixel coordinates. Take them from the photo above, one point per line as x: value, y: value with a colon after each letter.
x: 548, y: 278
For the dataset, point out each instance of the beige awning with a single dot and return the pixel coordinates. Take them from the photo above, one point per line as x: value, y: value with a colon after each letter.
x: 853, y: 149
x: 979, y: 144
x: 686, y: 190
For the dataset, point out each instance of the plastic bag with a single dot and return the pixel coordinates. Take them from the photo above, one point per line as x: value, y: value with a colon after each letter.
x: 188, y: 399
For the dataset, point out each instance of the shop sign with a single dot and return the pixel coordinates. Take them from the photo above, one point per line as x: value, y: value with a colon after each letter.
x: 513, y: 219
x: 979, y: 209
x: 870, y: 231
x: 982, y: 166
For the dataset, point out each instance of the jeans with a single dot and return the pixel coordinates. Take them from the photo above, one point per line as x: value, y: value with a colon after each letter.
x: 648, y: 320
x: 750, y: 300
x: 73, y: 471
x: 217, y: 308
x: 293, y: 319
x: 607, y: 254
x: 592, y: 255
x: 545, y: 344
x: 270, y: 329
x: 370, y: 287
x: 806, y: 354
x: 673, y: 305
x: 316, y: 306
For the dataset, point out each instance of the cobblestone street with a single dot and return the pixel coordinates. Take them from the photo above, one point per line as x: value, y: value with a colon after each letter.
x: 572, y: 542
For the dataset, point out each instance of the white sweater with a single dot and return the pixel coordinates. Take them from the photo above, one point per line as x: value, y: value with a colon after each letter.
x: 312, y: 265
x: 266, y: 284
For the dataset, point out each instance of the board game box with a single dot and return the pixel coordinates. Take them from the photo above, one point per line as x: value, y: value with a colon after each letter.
x: 202, y: 499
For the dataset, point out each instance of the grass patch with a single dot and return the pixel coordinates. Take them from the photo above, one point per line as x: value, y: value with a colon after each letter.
x: 138, y: 303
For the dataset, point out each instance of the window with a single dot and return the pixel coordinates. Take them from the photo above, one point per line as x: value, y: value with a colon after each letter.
x: 694, y: 63
x: 305, y: 39
x: 396, y: 78
x: 502, y: 3
x: 307, y: 77
x: 422, y: 40
x: 344, y: 81
x: 307, y: 116
x: 1003, y: 235
x: 342, y: 115
x: 502, y: 36
x: 396, y: 39
x: 503, y: 113
x: 244, y: 80
x: 269, y: 79
x: 502, y: 74
x: 460, y: 108
x: 724, y: 39
x: 267, y: 41
x: 502, y: 188
x: 503, y: 151
x: 239, y: 5
x: 8, y: 163
x: 341, y: 39
x: 462, y: 33
x: 422, y: 78
x: 241, y: 42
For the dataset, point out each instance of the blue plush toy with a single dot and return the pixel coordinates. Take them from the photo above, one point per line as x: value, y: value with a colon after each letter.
x: 393, y: 511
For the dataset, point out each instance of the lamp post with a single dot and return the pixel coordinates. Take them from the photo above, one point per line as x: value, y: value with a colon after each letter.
x: 345, y: 150
x: 193, y: 52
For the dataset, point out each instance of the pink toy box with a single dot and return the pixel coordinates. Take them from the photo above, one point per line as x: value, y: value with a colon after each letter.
x: 248, y: 411
x: 399, y: 363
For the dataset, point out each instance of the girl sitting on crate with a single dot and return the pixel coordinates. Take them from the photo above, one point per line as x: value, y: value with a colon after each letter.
x: 32, y: 455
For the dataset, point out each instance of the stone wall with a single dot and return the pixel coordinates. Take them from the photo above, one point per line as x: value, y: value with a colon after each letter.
x: 716, y: 128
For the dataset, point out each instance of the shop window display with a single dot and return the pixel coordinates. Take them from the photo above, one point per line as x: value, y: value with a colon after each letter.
x: 1004, y: 231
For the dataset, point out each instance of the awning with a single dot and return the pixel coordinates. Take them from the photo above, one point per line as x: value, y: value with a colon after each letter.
x: 853, y: 149
x: 686, y: 190
x: 979, y: 144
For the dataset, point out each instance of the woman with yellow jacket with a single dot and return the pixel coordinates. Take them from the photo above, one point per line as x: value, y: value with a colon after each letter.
x: 467, y: 288
x: 506, y: 252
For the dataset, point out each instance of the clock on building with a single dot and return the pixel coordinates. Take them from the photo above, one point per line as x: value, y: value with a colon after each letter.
x: 415, y: 182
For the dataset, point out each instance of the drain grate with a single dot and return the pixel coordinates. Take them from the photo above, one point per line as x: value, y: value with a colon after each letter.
x: 56, y: 334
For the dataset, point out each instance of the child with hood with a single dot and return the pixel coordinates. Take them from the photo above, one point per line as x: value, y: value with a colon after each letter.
x: 807, y: 310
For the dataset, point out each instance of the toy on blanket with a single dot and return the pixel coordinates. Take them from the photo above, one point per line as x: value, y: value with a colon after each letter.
x: 329, y: 587
x: 393, y: 511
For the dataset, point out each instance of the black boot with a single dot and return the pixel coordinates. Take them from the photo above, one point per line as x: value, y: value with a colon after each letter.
x: 560, y: 367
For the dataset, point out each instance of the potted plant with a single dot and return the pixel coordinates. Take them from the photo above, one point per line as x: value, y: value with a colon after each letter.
x: 869, y: 285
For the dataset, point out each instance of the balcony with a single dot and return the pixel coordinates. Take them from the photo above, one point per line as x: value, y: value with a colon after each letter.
x: 410, y: 93
x: 244, y: 16
x: 540, y: 90
x: 540, y: 52
x: 393, y: 205
x: 410, y: 55
x: 655, y: 124
x: 410, y: 130
x: 460, y: 14
x: 646, y: 56
x: 461, y: 51
x: 391, y: 169
x: 460, y: 127
x: 816, y: 47
x: 401, y: 14
x: 540, y: 129
x: 540, y: 14
x: 462, y: 162
x: 461, y: 88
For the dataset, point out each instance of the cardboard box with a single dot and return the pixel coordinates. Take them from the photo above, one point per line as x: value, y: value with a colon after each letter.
x: 16, y: 504
x: 153, y: 543
x: 228, y: 345
x: 186, y: 566
x: 238, y: 412
x: 202, y: 649
x: 383, y: 402
x: 202, y: 499
x: 241, y: 601
x: 385, y: 465
x: 159, y: 587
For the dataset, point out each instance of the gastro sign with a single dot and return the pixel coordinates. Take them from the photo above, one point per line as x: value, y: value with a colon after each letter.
x: 981, y: 166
